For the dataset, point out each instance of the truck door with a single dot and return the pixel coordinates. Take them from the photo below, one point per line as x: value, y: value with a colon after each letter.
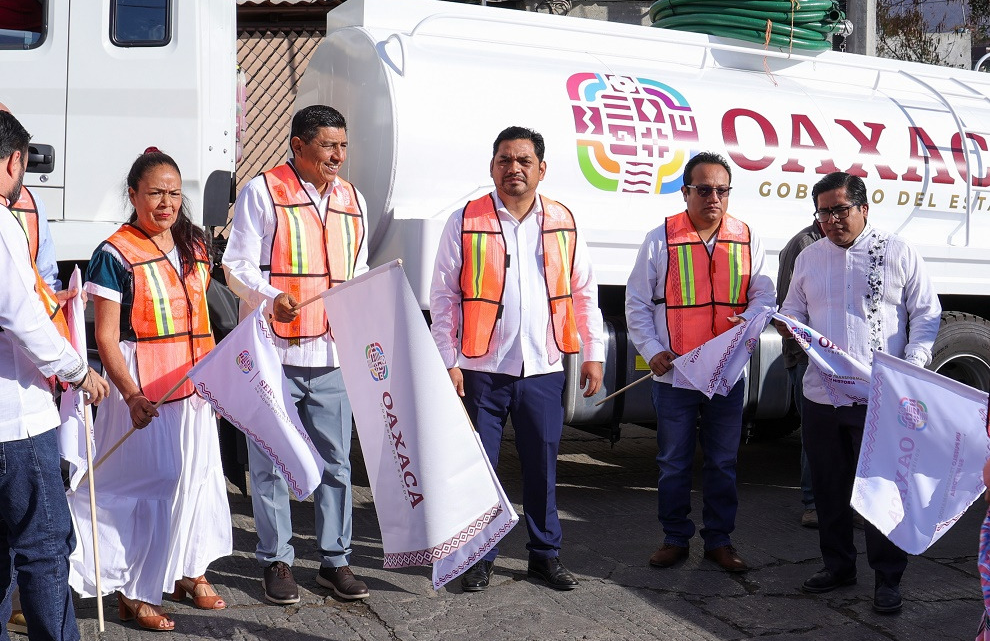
x: 34, y: 37
x: 144, y: 73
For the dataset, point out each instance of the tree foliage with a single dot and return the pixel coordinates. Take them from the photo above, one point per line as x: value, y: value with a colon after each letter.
x: 906, y: 32
x: 918, y: 29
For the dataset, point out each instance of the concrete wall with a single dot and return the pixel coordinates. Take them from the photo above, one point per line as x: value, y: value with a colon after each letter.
x: 625, y: 11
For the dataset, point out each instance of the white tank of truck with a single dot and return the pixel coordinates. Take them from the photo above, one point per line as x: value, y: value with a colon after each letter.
x: 427, y: 85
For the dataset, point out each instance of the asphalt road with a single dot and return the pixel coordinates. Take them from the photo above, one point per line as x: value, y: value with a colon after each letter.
x: 607, y: 497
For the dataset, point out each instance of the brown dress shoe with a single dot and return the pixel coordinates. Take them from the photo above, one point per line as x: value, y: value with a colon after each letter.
x: 727, y: 557
x: 667, y: 555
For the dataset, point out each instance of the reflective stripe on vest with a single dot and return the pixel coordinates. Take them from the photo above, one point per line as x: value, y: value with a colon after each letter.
x: 310, y: 256
x: 169, y: 315
x: 25, y: 210
x: 483, y: 266
x: 702, y: 290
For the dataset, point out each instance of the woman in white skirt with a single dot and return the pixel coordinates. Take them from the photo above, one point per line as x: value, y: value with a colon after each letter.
x: 161, y: 499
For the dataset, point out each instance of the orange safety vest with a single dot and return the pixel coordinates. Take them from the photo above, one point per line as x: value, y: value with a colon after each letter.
x: 483, y: 265
x: 169, y: 315
x: 701, y: 290
x: 309, y: 256
x: 25, y: 210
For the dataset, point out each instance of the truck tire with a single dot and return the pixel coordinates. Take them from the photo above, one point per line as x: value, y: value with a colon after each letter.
x: 962, y: 349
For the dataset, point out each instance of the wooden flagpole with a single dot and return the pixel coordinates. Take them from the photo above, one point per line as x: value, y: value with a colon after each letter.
x: 92, y: 511
x: 630, y: 385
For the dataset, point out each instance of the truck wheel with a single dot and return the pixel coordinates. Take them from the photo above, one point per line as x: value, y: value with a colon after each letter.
x: 962, y: 349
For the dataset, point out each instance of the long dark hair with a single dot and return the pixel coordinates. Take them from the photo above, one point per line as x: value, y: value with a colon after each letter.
x: 186, y: 235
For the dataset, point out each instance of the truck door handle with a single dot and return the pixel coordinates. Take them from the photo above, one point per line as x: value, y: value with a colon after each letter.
x: 41, y: 159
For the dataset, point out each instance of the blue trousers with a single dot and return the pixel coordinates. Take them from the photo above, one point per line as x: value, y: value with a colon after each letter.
x: 326, y: 414
x: 535, y: 404
x: 677, y: 435
x: 36, y: 537
x: 796, y: 374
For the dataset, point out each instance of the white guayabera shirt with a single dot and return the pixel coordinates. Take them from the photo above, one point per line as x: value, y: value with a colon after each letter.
x: 874, y: 296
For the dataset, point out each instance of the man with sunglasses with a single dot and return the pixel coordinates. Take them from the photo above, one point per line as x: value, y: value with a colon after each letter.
x: 865, y: 290
x: 697, y: 275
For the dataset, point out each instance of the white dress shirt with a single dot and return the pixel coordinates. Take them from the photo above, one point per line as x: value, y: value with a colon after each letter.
x: 875, y: 295
x: 31, y: 349
x: 523, y: 341
x: 647, y: 321
x: 250, y: 245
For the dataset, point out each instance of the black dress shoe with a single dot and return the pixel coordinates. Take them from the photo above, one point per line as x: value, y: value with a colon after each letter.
x: 553, y: 572
x: 825, y: 580
x: 477, y: 577
x: 886, y: 599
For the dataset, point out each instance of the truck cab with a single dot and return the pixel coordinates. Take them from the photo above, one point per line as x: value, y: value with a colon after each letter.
x: 97, y: 82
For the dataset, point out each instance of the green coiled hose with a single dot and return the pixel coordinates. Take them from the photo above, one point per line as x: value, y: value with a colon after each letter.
x: 802, y: 25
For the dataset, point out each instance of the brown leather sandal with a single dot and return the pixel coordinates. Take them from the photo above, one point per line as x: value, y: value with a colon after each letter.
x: 128, y: 612
x: 186, y: 586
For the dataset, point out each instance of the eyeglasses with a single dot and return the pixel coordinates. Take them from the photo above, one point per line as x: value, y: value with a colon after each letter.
x: 706, y: 190
x: 840, y: 212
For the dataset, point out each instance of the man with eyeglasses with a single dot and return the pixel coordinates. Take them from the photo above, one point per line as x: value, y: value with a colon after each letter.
x: 865, y: 290
x: 696, y: 276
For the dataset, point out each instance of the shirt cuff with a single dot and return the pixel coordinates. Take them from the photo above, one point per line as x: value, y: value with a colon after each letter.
x: 595, y: 352
x: 917, y: 357
x: 651, y: 349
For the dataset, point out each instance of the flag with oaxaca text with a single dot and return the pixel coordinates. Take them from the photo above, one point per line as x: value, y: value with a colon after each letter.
x: 242, y: 379
x: 437, y: 497
x: 714, y: 367
x: 924, y: 446
x: 75, y: 414
x: 845, y: 379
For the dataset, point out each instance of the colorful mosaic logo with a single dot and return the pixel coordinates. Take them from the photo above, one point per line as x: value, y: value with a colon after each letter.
x: 751, y: 345
x: 244, y: 361
x: 913, y: 414
x: 633, y: 134
x: 802, y: 337
x: 376, y: 361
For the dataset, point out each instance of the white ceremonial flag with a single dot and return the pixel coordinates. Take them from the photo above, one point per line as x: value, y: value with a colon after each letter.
x: 72, y: 406
x: 436, y: 495
x: 924, y: 447
x: 714, y: 367
x: 242, y: 379
x: 845, y: 379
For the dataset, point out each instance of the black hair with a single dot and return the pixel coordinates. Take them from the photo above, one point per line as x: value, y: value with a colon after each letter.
x: 855, y: 187
x: 309, y: 120
x: 705, y: 158
x: 521, y: 133
x: 186, y: 235
x: 13, y: 135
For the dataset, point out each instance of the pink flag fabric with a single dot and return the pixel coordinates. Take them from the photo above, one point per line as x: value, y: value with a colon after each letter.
x: 72, y: 407
x: 924, y: 447
x: 715, y: 366
x: 242, y: 379
x: 846, y: 380
x: 436, y: 494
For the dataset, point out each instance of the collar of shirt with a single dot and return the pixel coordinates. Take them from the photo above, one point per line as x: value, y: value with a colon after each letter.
x: 536, y: 211
x: 314, y: 193
x: 856, y: 244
